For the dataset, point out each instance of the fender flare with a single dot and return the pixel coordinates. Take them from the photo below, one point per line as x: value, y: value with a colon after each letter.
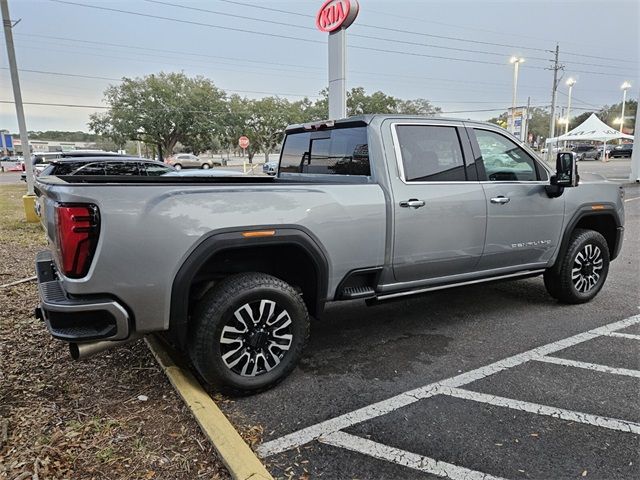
x: 586, y: 211
x: 231, y: 238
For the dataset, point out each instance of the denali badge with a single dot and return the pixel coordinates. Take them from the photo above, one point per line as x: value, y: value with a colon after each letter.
x: 535, y: 243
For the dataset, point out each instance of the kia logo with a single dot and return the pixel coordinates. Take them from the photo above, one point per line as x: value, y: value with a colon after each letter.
x: 335, y: 14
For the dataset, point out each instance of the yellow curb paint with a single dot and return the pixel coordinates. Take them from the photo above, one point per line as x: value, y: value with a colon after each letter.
x: 29, y: 202
x: 237, y: 456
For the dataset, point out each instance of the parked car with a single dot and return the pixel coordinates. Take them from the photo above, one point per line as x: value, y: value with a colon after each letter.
x: 622, y: 151
x: 609, y: 148
x: 130, y: 166
x: 270, y: 168
x: 43, y: 160
x: 188, y: 160
x: 584, y: 152
x: 374, y: 207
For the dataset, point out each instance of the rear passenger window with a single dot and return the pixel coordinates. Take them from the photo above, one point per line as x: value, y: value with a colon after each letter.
x: 90, y: 169
x: 122, y: 168
x: 342, y: 151
x: 430, y: 153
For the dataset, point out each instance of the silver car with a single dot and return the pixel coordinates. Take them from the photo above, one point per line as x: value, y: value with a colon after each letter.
x: 188, y: 160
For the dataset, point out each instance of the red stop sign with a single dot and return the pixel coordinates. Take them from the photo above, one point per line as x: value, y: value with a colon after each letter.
x: 243, y: 142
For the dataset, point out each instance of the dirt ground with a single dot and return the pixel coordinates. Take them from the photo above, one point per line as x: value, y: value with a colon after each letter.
x: 112, y: 416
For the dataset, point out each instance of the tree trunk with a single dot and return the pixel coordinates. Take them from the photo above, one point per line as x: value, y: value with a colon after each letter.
x: 160, y: 157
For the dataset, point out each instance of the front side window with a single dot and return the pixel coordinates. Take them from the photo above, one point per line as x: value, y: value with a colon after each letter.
x: 504, y: 160
x: 431, y: 153
x: 342, y: 151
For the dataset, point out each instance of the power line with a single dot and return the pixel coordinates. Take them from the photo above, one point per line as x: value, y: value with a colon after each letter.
x: 369, y: 37
x: 309, y: 40
x: 42, y: 72
x: 493, y: 31
x: 65, y: 74
x: 68, y: 105
x: 397, y: 30
x: 226, y: 14
x: 188, y: 22
x: 164, y: 51
x: 102, y: 107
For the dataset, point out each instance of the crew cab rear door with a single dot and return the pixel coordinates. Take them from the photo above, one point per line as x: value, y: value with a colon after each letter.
x: 439, y: 211
x: 523, y: 224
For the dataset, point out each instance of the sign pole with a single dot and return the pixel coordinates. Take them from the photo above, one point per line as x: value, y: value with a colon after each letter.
x: 338, y: 74
x: 334, y: 17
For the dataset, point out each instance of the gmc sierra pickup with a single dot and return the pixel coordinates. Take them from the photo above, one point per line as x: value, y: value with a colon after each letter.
x: 371, y: 207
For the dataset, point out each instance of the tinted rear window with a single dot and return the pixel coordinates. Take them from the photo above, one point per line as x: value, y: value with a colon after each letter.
x: 343, y: 151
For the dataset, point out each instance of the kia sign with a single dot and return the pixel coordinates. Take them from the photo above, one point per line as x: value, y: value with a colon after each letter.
x: 335, y: 14
x: 243, y: 142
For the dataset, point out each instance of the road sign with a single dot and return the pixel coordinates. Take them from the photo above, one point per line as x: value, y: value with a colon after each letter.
x: 243, y: 142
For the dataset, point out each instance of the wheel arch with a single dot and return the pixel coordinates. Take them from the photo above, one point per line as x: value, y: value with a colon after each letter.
x: 226, y: 252
x: 605, y: 222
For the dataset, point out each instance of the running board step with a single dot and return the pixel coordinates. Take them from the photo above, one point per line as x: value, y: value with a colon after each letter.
x: 352, y: 293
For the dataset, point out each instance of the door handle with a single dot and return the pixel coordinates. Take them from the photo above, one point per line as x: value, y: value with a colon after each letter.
x: 500, y: 200
x: 412, y: 203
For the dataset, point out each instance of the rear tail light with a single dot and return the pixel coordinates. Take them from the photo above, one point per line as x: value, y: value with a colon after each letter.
x: 78, y: 227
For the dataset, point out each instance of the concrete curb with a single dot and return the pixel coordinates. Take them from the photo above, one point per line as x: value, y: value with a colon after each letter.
x: 239, y: 459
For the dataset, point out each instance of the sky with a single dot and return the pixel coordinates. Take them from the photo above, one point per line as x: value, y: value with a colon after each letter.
x: 396, y: 46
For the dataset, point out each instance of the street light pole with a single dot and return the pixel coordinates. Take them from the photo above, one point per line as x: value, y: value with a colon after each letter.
x: 516, y: 63
x: 571, y: 82
x: 625, y: 86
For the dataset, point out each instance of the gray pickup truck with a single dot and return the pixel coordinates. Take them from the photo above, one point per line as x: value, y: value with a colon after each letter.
x: 370, y: 207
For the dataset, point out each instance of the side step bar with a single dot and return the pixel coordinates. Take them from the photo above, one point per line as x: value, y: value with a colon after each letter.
x: 353, y: 293
x: 390, y: 296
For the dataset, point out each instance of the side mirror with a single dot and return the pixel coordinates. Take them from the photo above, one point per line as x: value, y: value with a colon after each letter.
x: 566, y: 170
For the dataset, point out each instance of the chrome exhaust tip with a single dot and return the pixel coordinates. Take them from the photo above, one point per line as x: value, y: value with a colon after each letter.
x: 80, y: 351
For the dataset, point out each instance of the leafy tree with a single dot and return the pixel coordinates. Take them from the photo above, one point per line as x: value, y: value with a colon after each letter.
x: 266, y: 121
x: 419, y: 106
x: 609, y: 115
x: 161, y: 110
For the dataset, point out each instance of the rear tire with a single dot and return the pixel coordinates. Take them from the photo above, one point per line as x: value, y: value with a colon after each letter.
x: 580, y: 274
x: 249, y: 333
x: 206, y: 166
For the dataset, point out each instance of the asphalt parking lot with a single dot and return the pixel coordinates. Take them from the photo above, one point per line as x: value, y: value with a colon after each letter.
x: 491, y: 381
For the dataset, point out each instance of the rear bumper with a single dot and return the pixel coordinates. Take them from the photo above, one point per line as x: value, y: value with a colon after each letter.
x: 77, y: 319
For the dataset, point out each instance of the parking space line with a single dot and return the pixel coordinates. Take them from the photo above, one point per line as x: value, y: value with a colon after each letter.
x: 403, y: 457
x: 590, y: 366
x: 556, y: 412
x: 308, y: 434
x: 624, y: 335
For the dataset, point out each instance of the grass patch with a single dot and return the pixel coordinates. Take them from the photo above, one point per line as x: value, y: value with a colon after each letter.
x: 14, y: 229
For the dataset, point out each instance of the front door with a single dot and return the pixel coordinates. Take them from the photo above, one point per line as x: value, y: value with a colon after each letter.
x: 524, y: 225
x: 438, y: 204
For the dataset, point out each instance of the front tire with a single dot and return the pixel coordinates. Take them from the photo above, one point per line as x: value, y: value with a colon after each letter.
x: 249, y: 333
x: 177, y: 166
x: 206, y: 166
x: 582, y: 270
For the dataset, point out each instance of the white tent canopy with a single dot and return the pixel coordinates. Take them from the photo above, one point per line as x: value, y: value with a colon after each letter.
x: 592, y: 129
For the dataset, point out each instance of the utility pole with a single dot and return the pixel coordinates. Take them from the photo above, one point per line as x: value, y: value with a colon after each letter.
x: 552, y: 121
x: 17, y: 97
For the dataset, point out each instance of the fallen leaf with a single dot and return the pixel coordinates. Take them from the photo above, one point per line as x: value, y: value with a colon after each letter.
x: 584, y: 473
